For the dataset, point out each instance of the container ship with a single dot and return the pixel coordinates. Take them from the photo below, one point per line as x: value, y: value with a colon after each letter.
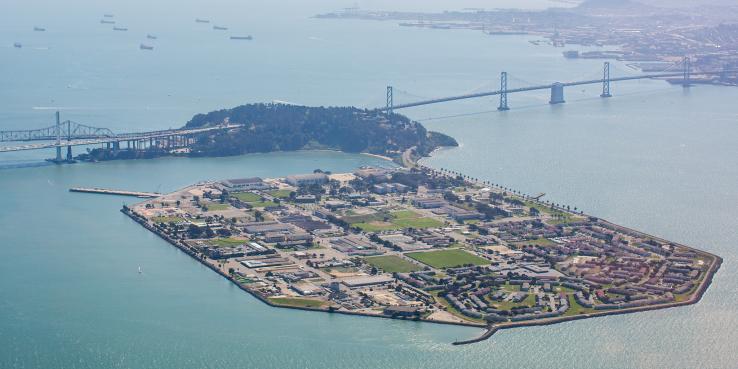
x: 219, y: 28
x: 198, y: 20
x: 108, y: 15
x: 146, y: 47
x: 151, y: 37
x: 120, y: 29
x: 39, y: 29
x: 242, y: 37
x: 17, y: 45
x: 105, y: 21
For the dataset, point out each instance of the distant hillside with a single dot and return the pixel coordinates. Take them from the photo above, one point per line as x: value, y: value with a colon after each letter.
x: 609, y: 3
x: 688, y: 3
x: 277, y: 127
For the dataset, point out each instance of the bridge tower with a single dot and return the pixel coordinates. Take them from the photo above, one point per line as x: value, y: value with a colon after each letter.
x: 58, y: 138
x: 503, y: 92
x: 686, y: 63
x: 390, y: 102
x: 69, y: 138
x: 606, y: 80
x: 557, y: 93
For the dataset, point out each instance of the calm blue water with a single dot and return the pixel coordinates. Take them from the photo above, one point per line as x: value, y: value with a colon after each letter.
x: 655, y: 157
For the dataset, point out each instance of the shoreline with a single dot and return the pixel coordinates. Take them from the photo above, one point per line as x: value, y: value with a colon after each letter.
x: 695, y: 297
x: 188, y: 251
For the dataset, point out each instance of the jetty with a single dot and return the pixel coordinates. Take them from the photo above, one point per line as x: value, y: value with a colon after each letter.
x: 108, y: 191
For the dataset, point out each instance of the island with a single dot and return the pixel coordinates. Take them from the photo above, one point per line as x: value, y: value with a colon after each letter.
x: 282, y: 127
x: 421, y: 244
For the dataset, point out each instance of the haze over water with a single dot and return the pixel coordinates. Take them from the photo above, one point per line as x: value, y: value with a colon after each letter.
x: 654, y: 157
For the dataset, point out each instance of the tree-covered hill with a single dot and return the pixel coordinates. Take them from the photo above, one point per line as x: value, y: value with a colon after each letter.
x: 279, y: 127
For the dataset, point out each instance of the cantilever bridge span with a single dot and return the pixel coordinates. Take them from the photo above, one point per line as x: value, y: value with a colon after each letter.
x: 68, y: 134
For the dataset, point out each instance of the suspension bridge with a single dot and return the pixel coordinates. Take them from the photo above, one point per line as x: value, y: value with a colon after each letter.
x: 68, y: 133
x: 556, y: 88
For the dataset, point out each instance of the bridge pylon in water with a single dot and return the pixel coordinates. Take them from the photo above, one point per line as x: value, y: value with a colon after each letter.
x: 687, y: 65
x: 557, y: 94
x: 58, y: 158
x: 503, y: 92
x: 606, y: 80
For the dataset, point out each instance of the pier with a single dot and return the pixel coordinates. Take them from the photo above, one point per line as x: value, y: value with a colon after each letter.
x: 107, y: 191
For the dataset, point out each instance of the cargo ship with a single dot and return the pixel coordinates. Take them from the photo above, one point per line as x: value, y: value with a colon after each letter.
x: 151, y: 37
x: 17, y: 45
x: 242, y: 37
x: 120, y: 29
x: 146, y: 47
x: 105, y: 21
x: 198, y: 20
x: 39, y: 29
x: 571, y: 54
x: 219, y: 28
x: 108, y: 15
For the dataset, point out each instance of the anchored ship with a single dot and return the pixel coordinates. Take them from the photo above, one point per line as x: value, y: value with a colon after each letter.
x: 219, y: 28
x: 151, y: 37
x: 120, y: 29
x: 198, y: 20
x: 105, y: 21
x: 39, y: 29
x: 242, y: 37
x: 146, y: 47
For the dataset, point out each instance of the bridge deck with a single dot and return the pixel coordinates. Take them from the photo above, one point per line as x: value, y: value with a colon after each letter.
x: 126, y: 137
x: 545, y: 87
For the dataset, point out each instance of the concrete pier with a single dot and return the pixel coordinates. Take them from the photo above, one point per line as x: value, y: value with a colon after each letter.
x: 107, y: 191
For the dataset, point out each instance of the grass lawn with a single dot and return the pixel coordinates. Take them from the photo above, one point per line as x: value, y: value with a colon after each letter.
x: 297, y: 301
x: 417, y: 223
x: 225, y: 242
x: 508, y: 305
x: 404, y: 214
x: 565, y: 218
x: 398, y: 220
x: 214, y: 206
x: 447, y: 258
x: 168, y: 220
x: 253, y: 199
x: 246, y: 196
x: 392, y: 264
x: 575, y: 308
x: 280, y: 194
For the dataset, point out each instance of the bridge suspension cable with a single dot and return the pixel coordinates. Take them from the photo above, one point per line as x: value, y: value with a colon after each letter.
x: 557, y: 88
